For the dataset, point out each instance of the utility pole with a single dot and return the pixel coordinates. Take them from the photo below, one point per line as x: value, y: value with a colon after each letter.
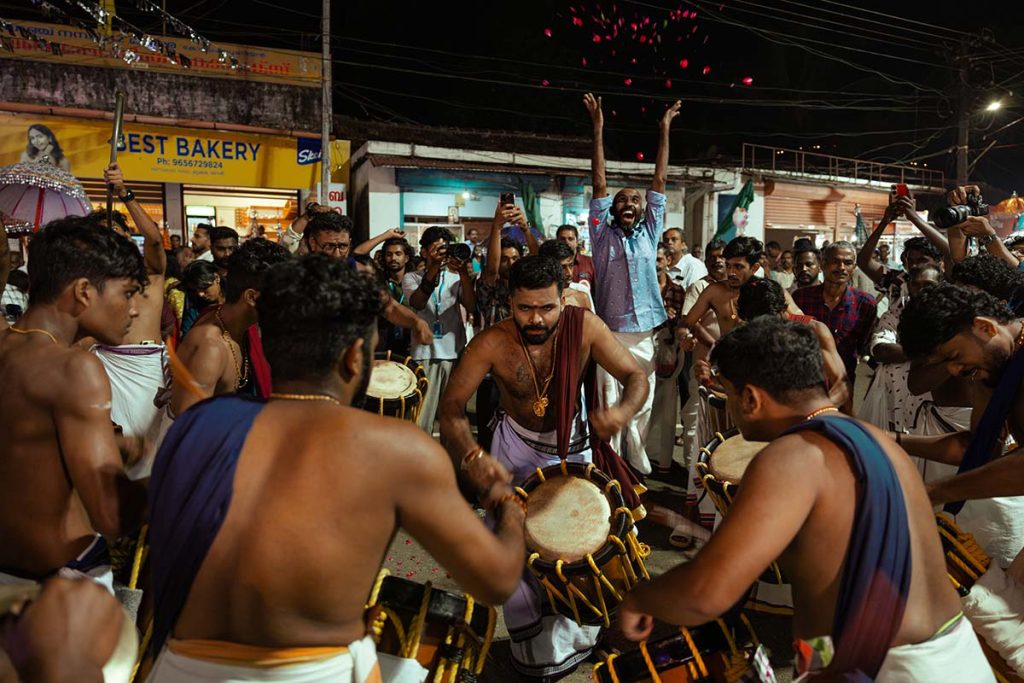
x: 326, y: 109
x: 963, y: 115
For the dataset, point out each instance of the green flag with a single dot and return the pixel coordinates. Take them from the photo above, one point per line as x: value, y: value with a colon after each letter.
x: 726, y: 226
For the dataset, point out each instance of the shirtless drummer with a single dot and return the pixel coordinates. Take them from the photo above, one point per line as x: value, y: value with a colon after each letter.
x: 843, y: 509
x: 522, y: 354
x: 261, y: 570
x: 62, y: 482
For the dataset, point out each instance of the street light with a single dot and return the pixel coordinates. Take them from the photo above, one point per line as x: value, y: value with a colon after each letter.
x: 994, y: 105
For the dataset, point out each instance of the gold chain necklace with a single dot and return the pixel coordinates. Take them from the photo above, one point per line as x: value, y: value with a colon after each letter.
x: 540, y: 405
x: 35, y: 329
x: 1017, y: 343
x: 241, y: 364
x: 308, y: 397
x: 820, y: 411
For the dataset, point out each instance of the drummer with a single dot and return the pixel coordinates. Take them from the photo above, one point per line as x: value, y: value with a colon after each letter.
x: 761, y: 296
x: 524, y: 354
x: 260, y: 569
x: 844, y: 511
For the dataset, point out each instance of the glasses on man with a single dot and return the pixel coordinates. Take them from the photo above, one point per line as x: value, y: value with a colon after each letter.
x: 332, y: 247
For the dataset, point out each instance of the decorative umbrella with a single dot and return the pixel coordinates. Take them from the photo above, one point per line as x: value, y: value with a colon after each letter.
x: 15, y: 227
x: 1014, y: 205
x: 39, y: 192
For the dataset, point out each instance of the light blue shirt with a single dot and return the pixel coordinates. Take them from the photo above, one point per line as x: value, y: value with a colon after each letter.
x: 626, y: 294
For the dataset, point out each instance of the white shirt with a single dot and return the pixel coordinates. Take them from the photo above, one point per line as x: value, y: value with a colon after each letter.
x: 442, y: 306
x: 205, y: 256
x: 687, y: 270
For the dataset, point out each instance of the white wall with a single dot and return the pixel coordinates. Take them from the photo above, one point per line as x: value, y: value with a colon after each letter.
x: 436, y: 204
x: 385, y: 203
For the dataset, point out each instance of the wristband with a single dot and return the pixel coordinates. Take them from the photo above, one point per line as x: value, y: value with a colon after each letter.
x: 513, y: 498
x: 129, y: 196
x: 987, y: 240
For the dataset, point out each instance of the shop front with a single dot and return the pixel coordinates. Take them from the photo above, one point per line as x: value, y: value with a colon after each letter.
x: 253, y: 182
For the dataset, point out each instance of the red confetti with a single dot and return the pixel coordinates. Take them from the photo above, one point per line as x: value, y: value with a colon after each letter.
x: 643, y: 39
x: 409, y: 575
x: 547, y: 32
x: 628, y: 81
x: 633, y: 26
x: 747, y: 80
x: 668, y: 82
x: 633, y: 61
x: 639, y: 156
x: 545, y: 83
x: 408, y: 541
x: 684, y: 63
x: 583, y: 61
x: 707, y: 70
x: 596, y: 221
x: 576, y: 21
x: 597, y: 38
x: 614, y: 113
x: 643, y: 110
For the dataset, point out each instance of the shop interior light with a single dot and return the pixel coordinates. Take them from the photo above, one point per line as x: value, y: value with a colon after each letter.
x: 466, y: 195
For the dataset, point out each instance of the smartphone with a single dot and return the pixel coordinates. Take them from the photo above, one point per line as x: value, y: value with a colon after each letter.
x: 902, y: 190
x: 507, y: 198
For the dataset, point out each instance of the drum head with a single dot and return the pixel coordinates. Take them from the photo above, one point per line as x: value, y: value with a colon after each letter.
x: 729, y: 461
x: 567, y: 519
x: 391, y: 380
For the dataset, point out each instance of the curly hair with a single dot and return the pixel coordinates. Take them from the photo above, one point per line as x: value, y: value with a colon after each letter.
x: 760, y: 296
x: 100, y: 219
x: 923, y: 246
x: 535, y: 272
x: 744, y: 247
x: 779, y: 356
x: 72, y: 248
x: 939, y: 313
x: 433, y: 234
x: 312, y: 308
x: 509, y: 243
x: 989, y: 274
x: 327, y: 221
x: 248, y: 265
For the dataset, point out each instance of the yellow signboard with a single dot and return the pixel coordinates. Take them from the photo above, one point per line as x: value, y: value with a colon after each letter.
x: 167, y: 154
x: 287, y: 67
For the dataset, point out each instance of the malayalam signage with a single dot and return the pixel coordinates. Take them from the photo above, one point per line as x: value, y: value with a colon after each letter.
x: 77, y: 47
x: 168, y: 154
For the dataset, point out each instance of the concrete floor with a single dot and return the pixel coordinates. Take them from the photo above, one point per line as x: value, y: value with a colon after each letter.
x: 407, y: 559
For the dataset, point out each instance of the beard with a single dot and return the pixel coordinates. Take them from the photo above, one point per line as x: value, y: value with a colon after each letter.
x: 995, y: 363
x: 535, y: 335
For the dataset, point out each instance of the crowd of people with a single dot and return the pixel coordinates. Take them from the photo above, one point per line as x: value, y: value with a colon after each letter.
x: 213, y: 391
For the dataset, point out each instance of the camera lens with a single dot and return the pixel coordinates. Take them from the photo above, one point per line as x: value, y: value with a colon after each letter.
x: 948, y: 216
x: 460, y: 251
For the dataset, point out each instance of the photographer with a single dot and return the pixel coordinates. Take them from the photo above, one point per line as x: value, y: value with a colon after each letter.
x: 436, y: 294
x: 291, y: 239
x: 966, y: 202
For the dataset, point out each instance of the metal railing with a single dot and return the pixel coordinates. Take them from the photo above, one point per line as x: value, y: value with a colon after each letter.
x: 815, y: 165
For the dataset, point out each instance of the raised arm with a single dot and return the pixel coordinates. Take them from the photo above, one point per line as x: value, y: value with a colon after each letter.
x: 1003, y: 477
x: 371, y: 244
x: 661, y: 162
x: 597, y: 168
x: 979, y: 227
x: 866, y: 257
x: 419, y: 297
x: 606, y: 350
x: 153, y: 246
x: 486, y: 565
x: 115, y: 505
x: 467, y: 292
x: 490, y: 272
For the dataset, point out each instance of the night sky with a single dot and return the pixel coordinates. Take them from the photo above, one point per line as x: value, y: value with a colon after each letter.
x: 760, y: 71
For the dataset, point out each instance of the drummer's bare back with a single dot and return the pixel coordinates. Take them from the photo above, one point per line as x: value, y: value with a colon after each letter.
x: 311, y: 518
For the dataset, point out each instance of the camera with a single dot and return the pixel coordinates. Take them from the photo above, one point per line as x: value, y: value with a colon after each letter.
x: 460, y: 251
x: 948, y: 216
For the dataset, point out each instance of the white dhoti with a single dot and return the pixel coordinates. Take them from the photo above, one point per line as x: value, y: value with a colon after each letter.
x: 543, y: 643
x: 192, y: 661
x: 997, y: 524
x: 139, y: 383
x: 995, y: 607
x: 93, y: 563
x: 438, y: 372
x: 952, y: 656
x: 629, y: 443
x: 661, y: 437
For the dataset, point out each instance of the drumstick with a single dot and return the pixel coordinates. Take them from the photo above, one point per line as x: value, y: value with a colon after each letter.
x: 181, y: 374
